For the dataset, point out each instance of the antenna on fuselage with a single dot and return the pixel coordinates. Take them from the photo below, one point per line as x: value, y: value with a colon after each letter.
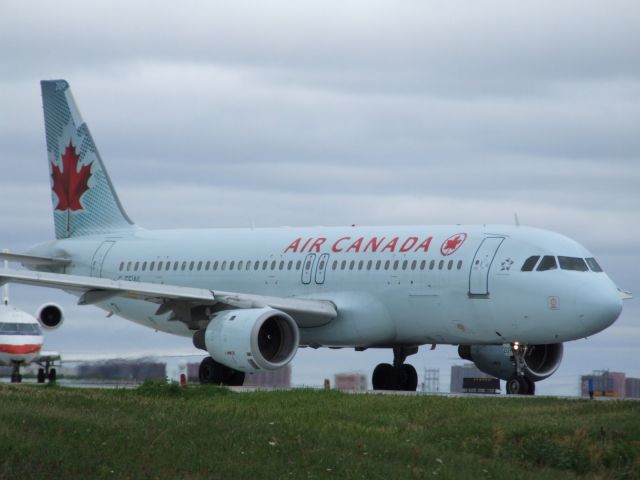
x: 515, y: 215
x: 5, y: 288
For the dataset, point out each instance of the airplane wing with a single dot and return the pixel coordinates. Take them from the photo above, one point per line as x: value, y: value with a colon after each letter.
x: 35, y: 261
x: 306, y: 312
x: 47, y: 357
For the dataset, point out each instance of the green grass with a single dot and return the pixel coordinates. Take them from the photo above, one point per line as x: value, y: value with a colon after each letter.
x: 161, y: 431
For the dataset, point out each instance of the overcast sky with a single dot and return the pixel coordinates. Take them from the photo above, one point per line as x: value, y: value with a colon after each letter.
x: 277, y: 113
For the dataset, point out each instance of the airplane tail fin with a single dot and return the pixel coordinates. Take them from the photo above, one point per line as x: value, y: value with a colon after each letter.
x: 84, y: 200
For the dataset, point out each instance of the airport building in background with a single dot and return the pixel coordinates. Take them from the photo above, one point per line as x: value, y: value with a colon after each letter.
x: 610, y: 384
x: 352, y: 381
x: 468, y: 370
x: 280, y: 378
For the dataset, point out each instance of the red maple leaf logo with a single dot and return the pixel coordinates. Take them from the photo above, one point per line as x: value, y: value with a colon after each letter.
x: 69, y: 184
x: 451, y: 244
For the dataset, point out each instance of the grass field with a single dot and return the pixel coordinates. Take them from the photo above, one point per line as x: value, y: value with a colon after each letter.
x: 160, y: 431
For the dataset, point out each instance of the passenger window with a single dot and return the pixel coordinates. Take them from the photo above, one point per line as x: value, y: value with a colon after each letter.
x: 273, y: 265
x: 159, y: 266
x: 223, y: 265
x: 404, y: 265
x: 191, y: 265
x: 152, y: 265
x: 248, y: 267
x: 369, y: 264
x: 343, y: 265
x: 423, y: 264
x: 265, y: 264
x: 256, y: 265
x: 200, y: 265
x: 335, y: 265
x: 128, y: 266
x: 593, y: 265
x: 547, y: 263
x: 360, y: 264
x: 298, y: 264
x: 450, y: 265
x: 290, y: 264
x: 321, y: 266
x: 432, y: 264
x: 351, y: 264
x: 232, y: 264
x: 175, y: 265
x: 530, y: 263
x: 121, y: 266
x: 308, y: 265
x: 207, y: 265
x: 440, y: 264
x: 459, y: 264
x: 135, y: 267
x: 386, y: 264
x: 573, y: 263
x: 395, y: 264
x: 215, y: 265
x: 144, y: 266
x: 378, y: 263
x: 281, y: 266
x: 167, y: 266
x: 413, y: 264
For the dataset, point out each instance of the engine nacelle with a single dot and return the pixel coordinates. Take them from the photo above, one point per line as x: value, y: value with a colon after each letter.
x: 540, y: 361
x: 252, y: 339
x: 50, y: 316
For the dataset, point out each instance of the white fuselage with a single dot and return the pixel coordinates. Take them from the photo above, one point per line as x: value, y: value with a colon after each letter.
x: 399, y: 285
x: 20, y: 336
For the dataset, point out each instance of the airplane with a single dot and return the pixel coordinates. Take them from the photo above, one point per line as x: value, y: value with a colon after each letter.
x: 507, y: 296
x: 21, y: 338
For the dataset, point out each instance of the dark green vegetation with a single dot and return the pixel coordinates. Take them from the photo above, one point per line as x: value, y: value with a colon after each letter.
x: 161, y: 431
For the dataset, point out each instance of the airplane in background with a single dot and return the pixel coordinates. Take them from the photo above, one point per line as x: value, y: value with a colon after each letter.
x: 21, y: 338
x: 507, y: 296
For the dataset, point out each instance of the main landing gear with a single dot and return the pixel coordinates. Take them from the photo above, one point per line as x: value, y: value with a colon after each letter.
x: 47, y: 373
x: 212, y: 372
x: 400, y: 375
x: 519, y: 383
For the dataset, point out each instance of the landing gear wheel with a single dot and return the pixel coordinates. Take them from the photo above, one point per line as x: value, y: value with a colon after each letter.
x: 518, y: 385
x: 531, y: 386
x: 41, y: 375
x: 16, y: 378
x: 410, y: 378
x: 212, y: 372
x: 52, y: 375
x: 383, y: 377
x: 387, y: 377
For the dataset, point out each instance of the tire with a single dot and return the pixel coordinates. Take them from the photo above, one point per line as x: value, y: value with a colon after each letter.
x: 410, y: 377
x: 206, y: 373
x: 383, y: 377
x: 517, y: 385
x: 236, y: 379
x: 41, y: 375
x: 52, y: 375
x: 531, y: 386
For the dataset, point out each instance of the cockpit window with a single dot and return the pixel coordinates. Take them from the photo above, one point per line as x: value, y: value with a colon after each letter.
x: 529, y: 263
x: 7, y: 328
x: 593, y: 265
x: 547, y: 263
x: 573, y: 263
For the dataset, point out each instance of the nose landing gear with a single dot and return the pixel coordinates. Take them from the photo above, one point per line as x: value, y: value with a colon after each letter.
x: 400, y: 375
x: 519, y: 383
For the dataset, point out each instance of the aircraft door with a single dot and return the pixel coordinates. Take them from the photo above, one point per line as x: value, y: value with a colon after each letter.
x: 479, y: 275
x: 307, y: 268
x: 323, y: 261
x: 99, y: 256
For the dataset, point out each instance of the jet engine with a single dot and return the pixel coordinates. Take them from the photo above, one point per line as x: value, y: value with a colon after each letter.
x: 50, y: 316
x: 540, y: 361
x: 252, y: 339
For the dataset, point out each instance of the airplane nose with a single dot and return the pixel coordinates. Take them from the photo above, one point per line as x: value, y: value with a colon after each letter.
x: 598, y: 306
